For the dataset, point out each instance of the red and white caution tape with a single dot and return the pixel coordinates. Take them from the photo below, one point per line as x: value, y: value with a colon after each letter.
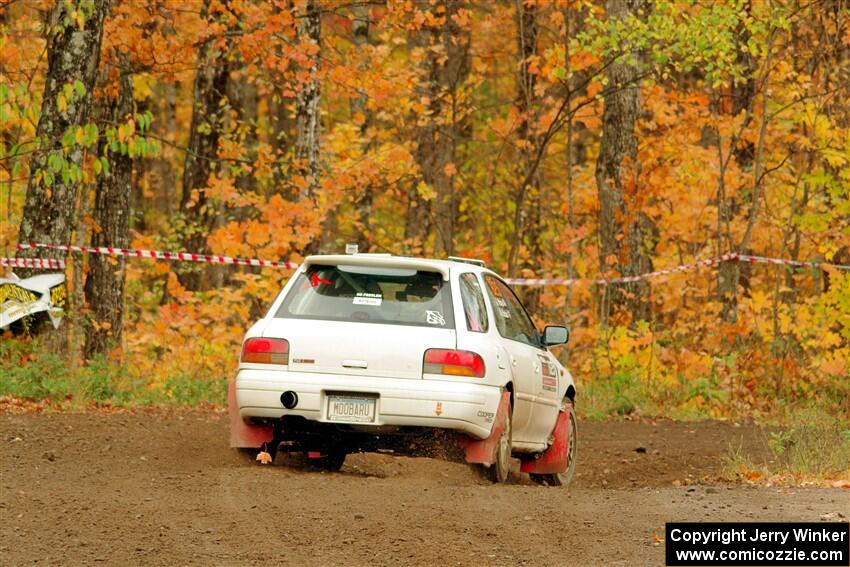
x: 730, y: 257
x: 46, y: 263
x: 625, y: 279
x: 35, y: 263
x: 156, y: 254
x: 784, y: 262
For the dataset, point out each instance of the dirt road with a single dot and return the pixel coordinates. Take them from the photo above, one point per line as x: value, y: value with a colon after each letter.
x: 163, y: 488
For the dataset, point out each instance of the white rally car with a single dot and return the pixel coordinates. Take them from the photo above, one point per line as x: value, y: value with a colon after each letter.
x: 372, y: 352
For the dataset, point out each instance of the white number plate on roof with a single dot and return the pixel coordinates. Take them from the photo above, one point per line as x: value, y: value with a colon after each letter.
x: 352, y: 409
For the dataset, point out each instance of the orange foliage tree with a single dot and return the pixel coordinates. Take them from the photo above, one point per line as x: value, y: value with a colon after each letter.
x: 481, y: 129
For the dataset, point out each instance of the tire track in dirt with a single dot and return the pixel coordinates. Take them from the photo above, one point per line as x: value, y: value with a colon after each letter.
x: 163, y: 488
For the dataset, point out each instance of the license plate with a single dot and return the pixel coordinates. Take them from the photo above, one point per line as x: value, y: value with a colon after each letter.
x: 355, y: 409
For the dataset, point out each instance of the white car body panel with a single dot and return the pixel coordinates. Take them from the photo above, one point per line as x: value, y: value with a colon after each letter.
x: 358, y: 349
x: 463, y: 406
x: 386, y: 360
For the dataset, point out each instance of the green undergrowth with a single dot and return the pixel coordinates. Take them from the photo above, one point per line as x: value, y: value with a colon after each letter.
x: 807, y: 440
x: 28, y: 371
x: 624, y: 395
x: 627, y: 395
x: 619, y: 395
x: 812, y: 446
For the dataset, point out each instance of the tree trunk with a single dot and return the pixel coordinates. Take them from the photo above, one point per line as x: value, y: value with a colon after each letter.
x: 526, y: 106
x: 527, y: 221
x: 280, y: 137
x: 623, y: 230
x: 417, y: 224
x: 208, y: 116
x: 281, y: 130
x: 744, y: 90
x: 166, y: 176
x: 104, y: 286
x: 244, y: 99
x: 73, y: 54
x: 308, y: 118
x: 731, y: 275
x: 742, y: 97
x: 443, y: 71
x: 363, y: 202
x: 155, y: 191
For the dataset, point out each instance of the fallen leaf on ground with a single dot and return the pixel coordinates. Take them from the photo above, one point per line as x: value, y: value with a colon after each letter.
x: 264, y: 457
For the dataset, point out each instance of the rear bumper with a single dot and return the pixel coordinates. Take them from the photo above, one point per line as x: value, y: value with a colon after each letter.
x: 470, y: 408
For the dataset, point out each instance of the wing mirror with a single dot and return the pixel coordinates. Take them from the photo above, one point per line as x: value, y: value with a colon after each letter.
x: 555, y: 335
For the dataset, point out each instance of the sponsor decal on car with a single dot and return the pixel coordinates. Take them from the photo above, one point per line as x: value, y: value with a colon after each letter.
x: 435, y: 318
x: 487, y: 415
x: 549, y: 373
x: 364, y: 298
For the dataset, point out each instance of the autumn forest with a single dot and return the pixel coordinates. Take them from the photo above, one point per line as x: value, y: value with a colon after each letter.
x: 554, y: 139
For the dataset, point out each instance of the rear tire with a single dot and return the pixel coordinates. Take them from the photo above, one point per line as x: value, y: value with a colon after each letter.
x: 332, y: 461
x: 564, y: 478
x: 498, y: 472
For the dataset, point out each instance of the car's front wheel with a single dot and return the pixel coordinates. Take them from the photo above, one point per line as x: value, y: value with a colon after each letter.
x: 564, y: 478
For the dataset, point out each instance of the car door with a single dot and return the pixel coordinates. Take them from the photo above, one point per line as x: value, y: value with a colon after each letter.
x: 549, y: 394
x: 520, y: 340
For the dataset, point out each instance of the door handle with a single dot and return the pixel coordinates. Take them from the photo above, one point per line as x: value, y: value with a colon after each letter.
x: 354, y: 363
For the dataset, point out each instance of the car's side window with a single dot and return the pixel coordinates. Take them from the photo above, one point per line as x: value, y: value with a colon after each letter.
x: 473, y: 303
x: 511, y: 319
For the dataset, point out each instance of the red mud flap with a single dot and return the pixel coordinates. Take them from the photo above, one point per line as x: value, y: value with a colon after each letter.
x: 555, y: 458
x: 243, y: 435
x: 483, y: 451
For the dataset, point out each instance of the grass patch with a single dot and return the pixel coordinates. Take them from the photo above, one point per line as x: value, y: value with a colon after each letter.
x: 816, y: 444
x: 29, y: 372
x: 620, y: 395
x: 813, y: 447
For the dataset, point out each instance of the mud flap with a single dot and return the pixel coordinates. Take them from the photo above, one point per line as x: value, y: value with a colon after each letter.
x: 483, y: 451
x: 242, y: 435
x: 554, y: 459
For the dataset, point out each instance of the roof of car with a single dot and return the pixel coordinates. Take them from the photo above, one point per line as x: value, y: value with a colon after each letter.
x: 442, y: 266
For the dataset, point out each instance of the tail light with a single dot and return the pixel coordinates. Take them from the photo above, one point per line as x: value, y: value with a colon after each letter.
x: 266, y: 351
x: 453, y: 363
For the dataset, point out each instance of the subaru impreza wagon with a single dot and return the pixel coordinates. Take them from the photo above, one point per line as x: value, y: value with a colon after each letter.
x: 372, y: 352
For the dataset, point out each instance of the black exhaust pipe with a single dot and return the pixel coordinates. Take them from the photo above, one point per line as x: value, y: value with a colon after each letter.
x: 289, y: 399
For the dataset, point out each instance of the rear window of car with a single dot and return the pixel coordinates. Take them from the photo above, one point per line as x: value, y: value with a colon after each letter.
x: 393, y: 296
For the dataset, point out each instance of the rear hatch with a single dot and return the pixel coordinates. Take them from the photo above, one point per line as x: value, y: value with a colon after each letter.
x: 364, y: 320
